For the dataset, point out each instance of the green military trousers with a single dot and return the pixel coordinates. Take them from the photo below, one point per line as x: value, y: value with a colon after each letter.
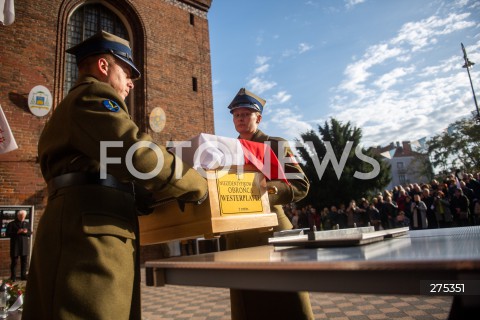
x: 261, y: 305
x: 85, y: 258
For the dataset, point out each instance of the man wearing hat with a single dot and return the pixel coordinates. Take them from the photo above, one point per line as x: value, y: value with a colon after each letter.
x: 85, y: 258
x: 247, y: 109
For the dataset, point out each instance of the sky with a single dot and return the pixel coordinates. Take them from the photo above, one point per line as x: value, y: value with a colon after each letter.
x: 390, y: 67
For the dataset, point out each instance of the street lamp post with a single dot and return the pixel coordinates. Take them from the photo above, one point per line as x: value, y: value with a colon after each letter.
x: 467, y: 65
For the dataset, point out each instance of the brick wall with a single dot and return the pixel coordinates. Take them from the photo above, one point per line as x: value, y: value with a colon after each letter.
x: 175, y: 51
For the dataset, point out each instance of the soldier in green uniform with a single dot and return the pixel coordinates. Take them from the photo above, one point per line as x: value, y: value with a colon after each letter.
x: 246, y: 109
x: 85, y: 258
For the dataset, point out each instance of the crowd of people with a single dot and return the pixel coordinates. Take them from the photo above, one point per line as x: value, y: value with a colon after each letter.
x: 452, y: 202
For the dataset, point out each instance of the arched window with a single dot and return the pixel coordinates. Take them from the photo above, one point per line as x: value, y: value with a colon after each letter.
x: 84, y: 23
x: 81, y: 20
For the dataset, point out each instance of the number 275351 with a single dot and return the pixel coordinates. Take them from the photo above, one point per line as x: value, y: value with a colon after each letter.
x: 447, y: 287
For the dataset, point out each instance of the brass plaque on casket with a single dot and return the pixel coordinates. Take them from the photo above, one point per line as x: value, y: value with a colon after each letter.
x: 237, y: 200
x: 239, y: 193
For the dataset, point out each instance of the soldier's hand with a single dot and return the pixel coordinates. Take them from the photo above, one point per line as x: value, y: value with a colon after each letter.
x: 190, y: 187
x: 181, y: 203
x: 188, y: 199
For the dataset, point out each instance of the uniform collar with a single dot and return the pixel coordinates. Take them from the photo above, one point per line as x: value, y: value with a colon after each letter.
x: 83, y: 80
x: 258, y: 136
x: 88, y: 79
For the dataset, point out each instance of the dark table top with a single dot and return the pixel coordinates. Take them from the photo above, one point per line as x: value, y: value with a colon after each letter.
x: 396, y: 265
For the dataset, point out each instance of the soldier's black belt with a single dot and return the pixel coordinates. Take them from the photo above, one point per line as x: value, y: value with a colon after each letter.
x: 84, y: 178
x: 143, y: 198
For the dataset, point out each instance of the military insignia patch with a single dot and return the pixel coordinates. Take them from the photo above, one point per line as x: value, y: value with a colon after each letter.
x: 111, y: 105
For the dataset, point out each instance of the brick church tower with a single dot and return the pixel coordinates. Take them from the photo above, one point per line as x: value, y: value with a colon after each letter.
x: 170, y: 42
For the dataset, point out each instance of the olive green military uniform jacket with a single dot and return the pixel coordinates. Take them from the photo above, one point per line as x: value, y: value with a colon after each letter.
x: 295, y: 190
x: 251, y: 304
x: 85, y: 258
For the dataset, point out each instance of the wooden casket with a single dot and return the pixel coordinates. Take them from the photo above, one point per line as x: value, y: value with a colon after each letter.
x: 236, y: 172
x: 237, y: 200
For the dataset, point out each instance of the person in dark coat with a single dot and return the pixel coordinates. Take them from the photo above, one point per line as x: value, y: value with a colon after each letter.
x: 429, y: 200
x: 388, y: 213
x: 459, y: 205
x: 19, y: 233
x: 302, y: 218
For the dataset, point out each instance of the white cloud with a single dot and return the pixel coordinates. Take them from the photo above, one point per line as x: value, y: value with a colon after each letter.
x: 289, y: 121
x: 259, y: 85
x: 475, y: 4
x: 351, y: 3
x: 423, y: 33
x: 380, y: 93
x: 412, y: 37
x: 392, y: 101
x: 445, y: 66
x: 288, y: 53
x: 261, y: 60
x: 304, y: 47
x: 281, y: 97
x: 404, y: 87
x: 389, y: 79
x: 461, y: 3
x: 419, y: 110
x: 263, y: 66
x: 311, y: 3
x: 261, y: 69
x: 357, y: 73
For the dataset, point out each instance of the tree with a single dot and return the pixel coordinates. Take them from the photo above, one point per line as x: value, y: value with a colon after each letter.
x: 458, y: 147
x: 338, y: 167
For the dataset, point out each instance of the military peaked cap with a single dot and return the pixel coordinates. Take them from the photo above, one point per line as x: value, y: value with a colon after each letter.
x: 104, y: 42
x: 246, y: 99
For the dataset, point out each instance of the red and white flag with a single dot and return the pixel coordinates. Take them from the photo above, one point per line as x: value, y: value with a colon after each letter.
x: 7, y: 141
x: 7, y: 12
x: 208, y: 151
x: 263, y: 158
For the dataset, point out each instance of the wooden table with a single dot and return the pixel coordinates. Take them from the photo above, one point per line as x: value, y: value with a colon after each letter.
x: 408, y: 264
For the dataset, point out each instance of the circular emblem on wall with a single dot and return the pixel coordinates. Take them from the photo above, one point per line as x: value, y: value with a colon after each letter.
x: 39, y: 101
x: 157, y: 119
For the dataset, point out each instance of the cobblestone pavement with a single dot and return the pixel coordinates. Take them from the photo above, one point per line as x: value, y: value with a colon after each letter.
x: 201, y: 303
